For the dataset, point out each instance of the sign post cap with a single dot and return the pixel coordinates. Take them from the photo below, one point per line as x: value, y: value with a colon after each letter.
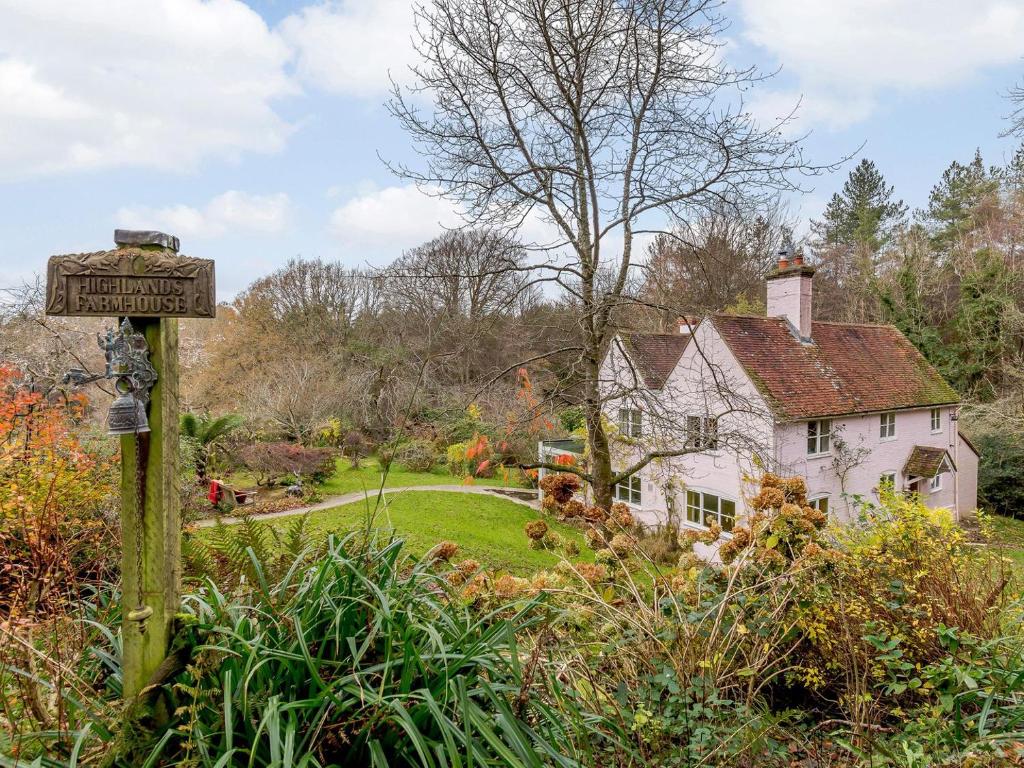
x: 124, y: 237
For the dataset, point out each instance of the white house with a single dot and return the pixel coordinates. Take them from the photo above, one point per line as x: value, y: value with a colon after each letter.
x: 846, y: 406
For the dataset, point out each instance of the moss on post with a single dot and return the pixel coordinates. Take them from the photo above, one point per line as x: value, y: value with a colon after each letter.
x: 151, y: 576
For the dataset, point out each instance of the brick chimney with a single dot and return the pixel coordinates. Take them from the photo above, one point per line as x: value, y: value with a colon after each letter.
x: 790, y: 292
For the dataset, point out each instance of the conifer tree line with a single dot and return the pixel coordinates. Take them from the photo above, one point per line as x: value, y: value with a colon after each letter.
x: 948, y: 275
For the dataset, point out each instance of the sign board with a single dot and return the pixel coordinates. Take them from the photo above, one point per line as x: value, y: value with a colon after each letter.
x: 131, y: 281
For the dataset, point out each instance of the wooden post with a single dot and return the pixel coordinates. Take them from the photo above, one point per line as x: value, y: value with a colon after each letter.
x: 146, y: 280
x: 151, y: 576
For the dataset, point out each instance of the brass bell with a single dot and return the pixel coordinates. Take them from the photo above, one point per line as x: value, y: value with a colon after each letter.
x: 127, y: 414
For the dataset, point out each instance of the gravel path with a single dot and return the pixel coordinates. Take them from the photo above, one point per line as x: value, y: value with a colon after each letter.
x: 348, y: 498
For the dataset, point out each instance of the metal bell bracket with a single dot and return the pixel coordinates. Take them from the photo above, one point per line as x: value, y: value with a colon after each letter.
x: 127, y: 362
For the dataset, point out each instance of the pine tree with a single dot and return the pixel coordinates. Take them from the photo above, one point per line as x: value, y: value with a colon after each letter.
x: 954, y: 203
x: 864, y: 214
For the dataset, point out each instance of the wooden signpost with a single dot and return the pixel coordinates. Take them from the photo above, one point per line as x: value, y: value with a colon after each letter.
x: 145, y: 280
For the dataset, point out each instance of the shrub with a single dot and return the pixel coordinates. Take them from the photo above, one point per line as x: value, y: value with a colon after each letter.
x: 456, y: 454
x: 561, y: 486
x: 359, y: 658
x: 550, y: 505
x: 58, y: 525
x: 386, y: 457
x: 417, y: 455
x: 536, y: 530
x: 272, y: 462
x: 355, y: 447
x: 622, y: 516
x: 883, y: 598
x: 443, y: 551
x: 573, y: 509
x: 595, y: 514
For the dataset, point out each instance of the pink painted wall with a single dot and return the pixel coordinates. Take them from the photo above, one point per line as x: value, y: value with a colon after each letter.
x: 967, y: 490
x: 861, y: 434
x: 707, y: 381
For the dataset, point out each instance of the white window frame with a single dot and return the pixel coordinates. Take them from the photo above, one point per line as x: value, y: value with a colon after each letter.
x: 702, y: 432
x: 822, y: 437
x: 935, y: 483
x: 631, y: 422
x: 816, y: 502
x: 887, y: 426
x: 703, y: 510
x: 625, y: 491
x: 936, y: 421
x: 890, y: 473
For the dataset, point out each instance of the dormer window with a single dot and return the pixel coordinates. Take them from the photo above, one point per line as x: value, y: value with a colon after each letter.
x: 631, y: 422
x: 819, y: 437
x: 887, y: 426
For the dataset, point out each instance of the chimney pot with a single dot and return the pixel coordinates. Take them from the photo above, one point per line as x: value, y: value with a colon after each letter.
x: 798, y: 259
x: 783, y: 262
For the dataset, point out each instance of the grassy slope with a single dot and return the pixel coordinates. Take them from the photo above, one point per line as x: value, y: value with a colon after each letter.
x: 1009, y: 534
x: 488, y: 529
x: 368, y: 477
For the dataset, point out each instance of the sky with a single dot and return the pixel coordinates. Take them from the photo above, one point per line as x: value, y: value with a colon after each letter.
x: 255, y: 131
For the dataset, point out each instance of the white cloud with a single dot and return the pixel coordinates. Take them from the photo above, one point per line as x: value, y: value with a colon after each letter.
x: 103, y: 83
x: 350, y: 46
x: 233, y: 211
x: 844, y: 53
x: 401, y: 217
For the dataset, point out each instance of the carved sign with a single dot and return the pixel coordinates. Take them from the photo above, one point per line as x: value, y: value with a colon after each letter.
x: 130, y: 282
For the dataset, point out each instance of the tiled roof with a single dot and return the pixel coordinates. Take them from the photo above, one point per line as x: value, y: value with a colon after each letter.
x: 925, y: 461
x: 655, y: 354
x: 849, y: 368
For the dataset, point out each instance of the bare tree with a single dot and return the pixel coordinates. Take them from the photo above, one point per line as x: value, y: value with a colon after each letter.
x: 602, y: 117
x: 467, y: 286
x: 716, y: 260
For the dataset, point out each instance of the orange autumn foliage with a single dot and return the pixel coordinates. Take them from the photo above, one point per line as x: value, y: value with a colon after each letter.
x: 57, y: 502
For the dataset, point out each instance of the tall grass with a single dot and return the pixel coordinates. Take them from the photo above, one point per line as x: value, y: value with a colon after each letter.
x: 360, y: 659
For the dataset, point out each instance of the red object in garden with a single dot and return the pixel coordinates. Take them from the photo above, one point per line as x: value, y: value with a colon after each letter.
x: 215, y: 492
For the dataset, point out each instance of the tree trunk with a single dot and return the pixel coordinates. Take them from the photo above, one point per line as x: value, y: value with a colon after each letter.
x: 597, y: 437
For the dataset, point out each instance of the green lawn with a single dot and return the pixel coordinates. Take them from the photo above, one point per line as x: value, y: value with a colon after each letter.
x: 488, y: 529
x: 368, y: 478
x: 1008, y: 533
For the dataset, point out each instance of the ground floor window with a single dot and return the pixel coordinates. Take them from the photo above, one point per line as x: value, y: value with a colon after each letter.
x: 935, y: 484
x: 820, y: 503
x: 887, y: 480
x: 628, y: 490
x: 707, y: 508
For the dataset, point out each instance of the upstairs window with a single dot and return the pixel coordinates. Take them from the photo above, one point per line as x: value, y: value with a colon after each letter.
x: 936, y: 420
x: 887, y: 426
x: 629, y: 490
x: 709, y: 508
x: 631, y: 422
x: 702, y: 433
x: 819, y: 437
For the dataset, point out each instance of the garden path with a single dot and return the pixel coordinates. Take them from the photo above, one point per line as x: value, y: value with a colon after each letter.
x: 348, y: 498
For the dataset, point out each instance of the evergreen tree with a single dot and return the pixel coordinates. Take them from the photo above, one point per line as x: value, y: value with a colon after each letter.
x: 954, y: 203
x: 904, y: 296
x: 982, y: 335
x: 864, y: 214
